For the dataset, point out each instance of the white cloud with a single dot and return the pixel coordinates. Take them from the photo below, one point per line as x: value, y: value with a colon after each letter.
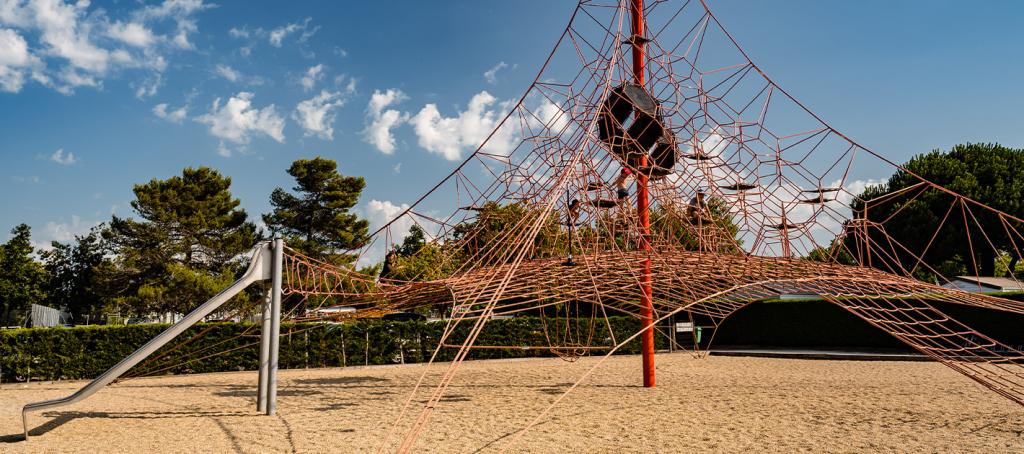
x: 13, y: 49
x: 223, y: 150
x: 74, y: 78
x: 276, y: 37
x: 64, y: 159
x: 308, y: 33
x: 174, y: 9
x: 236, y: 120
x: 312, y: 76
x: 181, y: 12
x: 15, y: 60
x: 60, y: 36
x: 148, y: 87
x: 246, y: 34
x: 316, y: 115
x: 278, y: 34
x: 228, y: 73
x: 233, y: 75
x: 550, y: 116
x: 132, y: 33
x: 450, y: 136
x: 240, y: 32
x: 855, y: 188
x: 383, y: 120
x: 380, y: 213
x: 66, y: 36
x: 350, y: 87
x: 173, y: 116
x: 491, y: 75
x: 14, y: 13
x: 61, y: 231
x: 82, y: 47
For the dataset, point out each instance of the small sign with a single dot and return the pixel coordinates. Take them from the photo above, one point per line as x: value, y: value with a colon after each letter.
x: 684, y: 327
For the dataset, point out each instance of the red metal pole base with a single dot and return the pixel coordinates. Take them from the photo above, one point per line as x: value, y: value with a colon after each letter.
x: 647, y: 338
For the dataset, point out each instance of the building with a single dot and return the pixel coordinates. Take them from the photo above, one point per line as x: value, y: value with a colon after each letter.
x: 985, y: 284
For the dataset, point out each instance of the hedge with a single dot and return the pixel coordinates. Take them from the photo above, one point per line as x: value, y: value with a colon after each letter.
x: 87, y: 351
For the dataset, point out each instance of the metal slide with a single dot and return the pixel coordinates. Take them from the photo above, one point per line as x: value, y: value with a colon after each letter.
x: 260, y: 268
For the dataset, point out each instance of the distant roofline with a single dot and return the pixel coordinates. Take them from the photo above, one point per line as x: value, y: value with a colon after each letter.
x: 992, y: 282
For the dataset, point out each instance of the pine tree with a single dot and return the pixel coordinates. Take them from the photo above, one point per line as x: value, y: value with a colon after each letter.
x: 316, y: 220
x: 190, y: 220
x: 987, y: 173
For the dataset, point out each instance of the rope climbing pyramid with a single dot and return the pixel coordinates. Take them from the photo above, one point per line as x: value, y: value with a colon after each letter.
x: 652, y: 169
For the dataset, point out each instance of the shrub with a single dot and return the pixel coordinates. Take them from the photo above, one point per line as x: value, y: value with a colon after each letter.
x: 87, y: 351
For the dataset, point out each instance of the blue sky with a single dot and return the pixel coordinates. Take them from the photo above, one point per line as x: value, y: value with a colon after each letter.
x: 97, y: 97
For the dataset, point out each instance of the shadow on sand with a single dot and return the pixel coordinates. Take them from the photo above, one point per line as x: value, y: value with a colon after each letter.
x: 64, y: 417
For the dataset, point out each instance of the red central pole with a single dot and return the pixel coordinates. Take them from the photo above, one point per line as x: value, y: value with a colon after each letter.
x: 636, y: 12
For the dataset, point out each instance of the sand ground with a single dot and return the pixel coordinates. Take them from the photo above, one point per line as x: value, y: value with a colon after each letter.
x: 714, y: 404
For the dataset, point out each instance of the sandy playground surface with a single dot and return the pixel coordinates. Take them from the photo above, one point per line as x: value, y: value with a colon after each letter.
x: 713, y: 404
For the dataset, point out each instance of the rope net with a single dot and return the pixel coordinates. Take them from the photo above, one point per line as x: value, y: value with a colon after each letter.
x: 746, y: 186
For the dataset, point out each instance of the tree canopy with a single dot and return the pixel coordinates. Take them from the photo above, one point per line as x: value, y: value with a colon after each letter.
x: 184, y: 242
x: 188, y: 224
x: 490, y: 236
x: 74, y: 275
x: 418, y: 259
x: 970, y: 236
x: 671, y: 225
x: 316, y: 219
x: 22, y: 279
x: 488, y: 239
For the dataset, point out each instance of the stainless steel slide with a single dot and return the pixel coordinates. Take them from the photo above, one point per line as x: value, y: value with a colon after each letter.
x: 260, y: 268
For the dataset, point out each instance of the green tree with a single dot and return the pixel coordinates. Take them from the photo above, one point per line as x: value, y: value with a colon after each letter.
x: 190, y: 220
x: 493, y: 237
x: 22, y: 278
x: 193, y: 217
x: 316, y: 219
x: 834, y: 253
x: 670, y: 224
x: 416, y: 259
x: 73, y: 275
x: 413, y: 242
x: 987, y: 173
x: 186, y: 284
